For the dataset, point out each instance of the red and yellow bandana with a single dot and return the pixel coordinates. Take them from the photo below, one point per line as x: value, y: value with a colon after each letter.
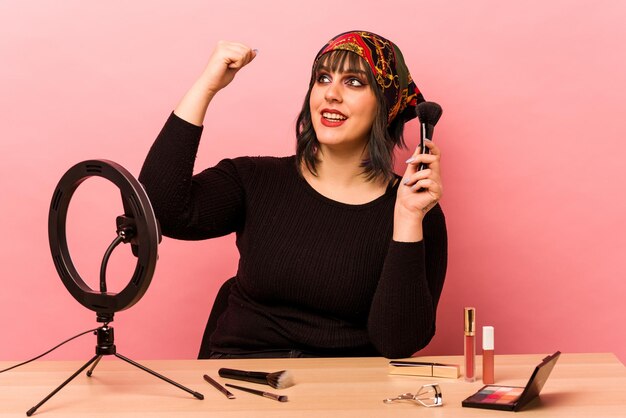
x: 388, y: 67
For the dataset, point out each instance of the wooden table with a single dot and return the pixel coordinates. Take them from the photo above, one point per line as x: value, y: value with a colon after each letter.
x: 581, y: 385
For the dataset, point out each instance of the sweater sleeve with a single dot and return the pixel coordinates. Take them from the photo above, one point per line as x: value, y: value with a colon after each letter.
x: 403, y: 312
x: 188, y: 206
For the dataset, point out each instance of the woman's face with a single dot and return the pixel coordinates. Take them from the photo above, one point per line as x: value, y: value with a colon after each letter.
x: 343, y: 107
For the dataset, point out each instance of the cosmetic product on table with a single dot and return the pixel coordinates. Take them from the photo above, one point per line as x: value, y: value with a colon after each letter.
x: 428, y: 395
x: 279, y: 398
x: 469, y: 344
x: 513, y: 398
x: 277, y: 380
x: 418, y: 368
x: 488, y: 352
x: 219, y: 387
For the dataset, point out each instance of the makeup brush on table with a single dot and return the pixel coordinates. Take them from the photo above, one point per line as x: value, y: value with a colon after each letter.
x: 279, y: 398
x: 277, y: 380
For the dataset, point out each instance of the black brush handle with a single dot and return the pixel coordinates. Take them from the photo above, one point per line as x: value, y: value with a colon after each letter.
x: 254, y: 377
x: 428, y: 114
x: 426, y: 132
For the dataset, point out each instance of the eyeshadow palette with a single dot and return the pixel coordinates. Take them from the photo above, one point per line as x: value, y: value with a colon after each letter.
x: 513, y: 398
x: 495, y: 397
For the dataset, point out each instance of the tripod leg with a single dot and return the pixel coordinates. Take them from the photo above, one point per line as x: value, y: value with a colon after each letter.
x: 90, y: 371
x: 178, y: 385
x: 32, y: 410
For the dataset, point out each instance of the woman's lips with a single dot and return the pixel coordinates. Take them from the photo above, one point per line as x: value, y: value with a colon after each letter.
x: 332, y: 118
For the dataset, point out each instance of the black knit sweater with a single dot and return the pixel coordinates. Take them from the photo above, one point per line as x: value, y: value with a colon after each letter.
x: 314, y: 274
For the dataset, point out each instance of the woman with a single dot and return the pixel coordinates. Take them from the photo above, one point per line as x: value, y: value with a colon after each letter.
x: 338, y: 255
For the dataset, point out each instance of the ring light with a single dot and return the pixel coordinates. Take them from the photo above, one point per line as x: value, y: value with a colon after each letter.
x: 138, y: 226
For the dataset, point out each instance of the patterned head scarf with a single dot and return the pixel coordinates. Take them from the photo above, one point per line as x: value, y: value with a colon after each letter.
x: 387, y: 64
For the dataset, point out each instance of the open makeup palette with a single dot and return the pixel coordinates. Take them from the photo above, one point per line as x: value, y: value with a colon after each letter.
x: 513, y: 398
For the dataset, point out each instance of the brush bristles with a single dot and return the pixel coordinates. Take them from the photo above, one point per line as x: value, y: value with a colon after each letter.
x: 280, y: 380
x: 429, y: 112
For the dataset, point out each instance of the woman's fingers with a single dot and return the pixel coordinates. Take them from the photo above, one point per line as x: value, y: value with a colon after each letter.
x: 237, y: 55
x: 412, y: 178
x: 432, y: 157
x: 227, y: 59
x: 421, y: 189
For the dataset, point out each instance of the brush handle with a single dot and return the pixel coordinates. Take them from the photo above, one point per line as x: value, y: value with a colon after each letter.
x: 219, y: 387
x: 254, y: 377
x: 269, y: 395
x: 426, y: 132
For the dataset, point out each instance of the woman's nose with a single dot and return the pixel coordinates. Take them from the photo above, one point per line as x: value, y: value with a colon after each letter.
x: 333, y: 92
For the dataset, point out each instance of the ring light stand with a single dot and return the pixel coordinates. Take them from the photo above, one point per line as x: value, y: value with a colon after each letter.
x: 138, y: 226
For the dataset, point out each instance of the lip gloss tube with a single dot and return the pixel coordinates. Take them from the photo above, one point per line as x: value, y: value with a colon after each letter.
x: 470, y: 344
x: 488, y: 355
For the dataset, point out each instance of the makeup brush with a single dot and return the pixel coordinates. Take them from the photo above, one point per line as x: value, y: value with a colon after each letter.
x: 279, y: 398
x: 428, y: 113
x: 277, y: 380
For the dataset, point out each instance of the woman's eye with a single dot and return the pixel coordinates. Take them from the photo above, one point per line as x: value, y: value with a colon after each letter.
x: 354, y: 82
x: 323, y: 78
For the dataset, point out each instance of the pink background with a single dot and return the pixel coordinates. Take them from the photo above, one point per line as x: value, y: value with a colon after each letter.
x: 533, y: 135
